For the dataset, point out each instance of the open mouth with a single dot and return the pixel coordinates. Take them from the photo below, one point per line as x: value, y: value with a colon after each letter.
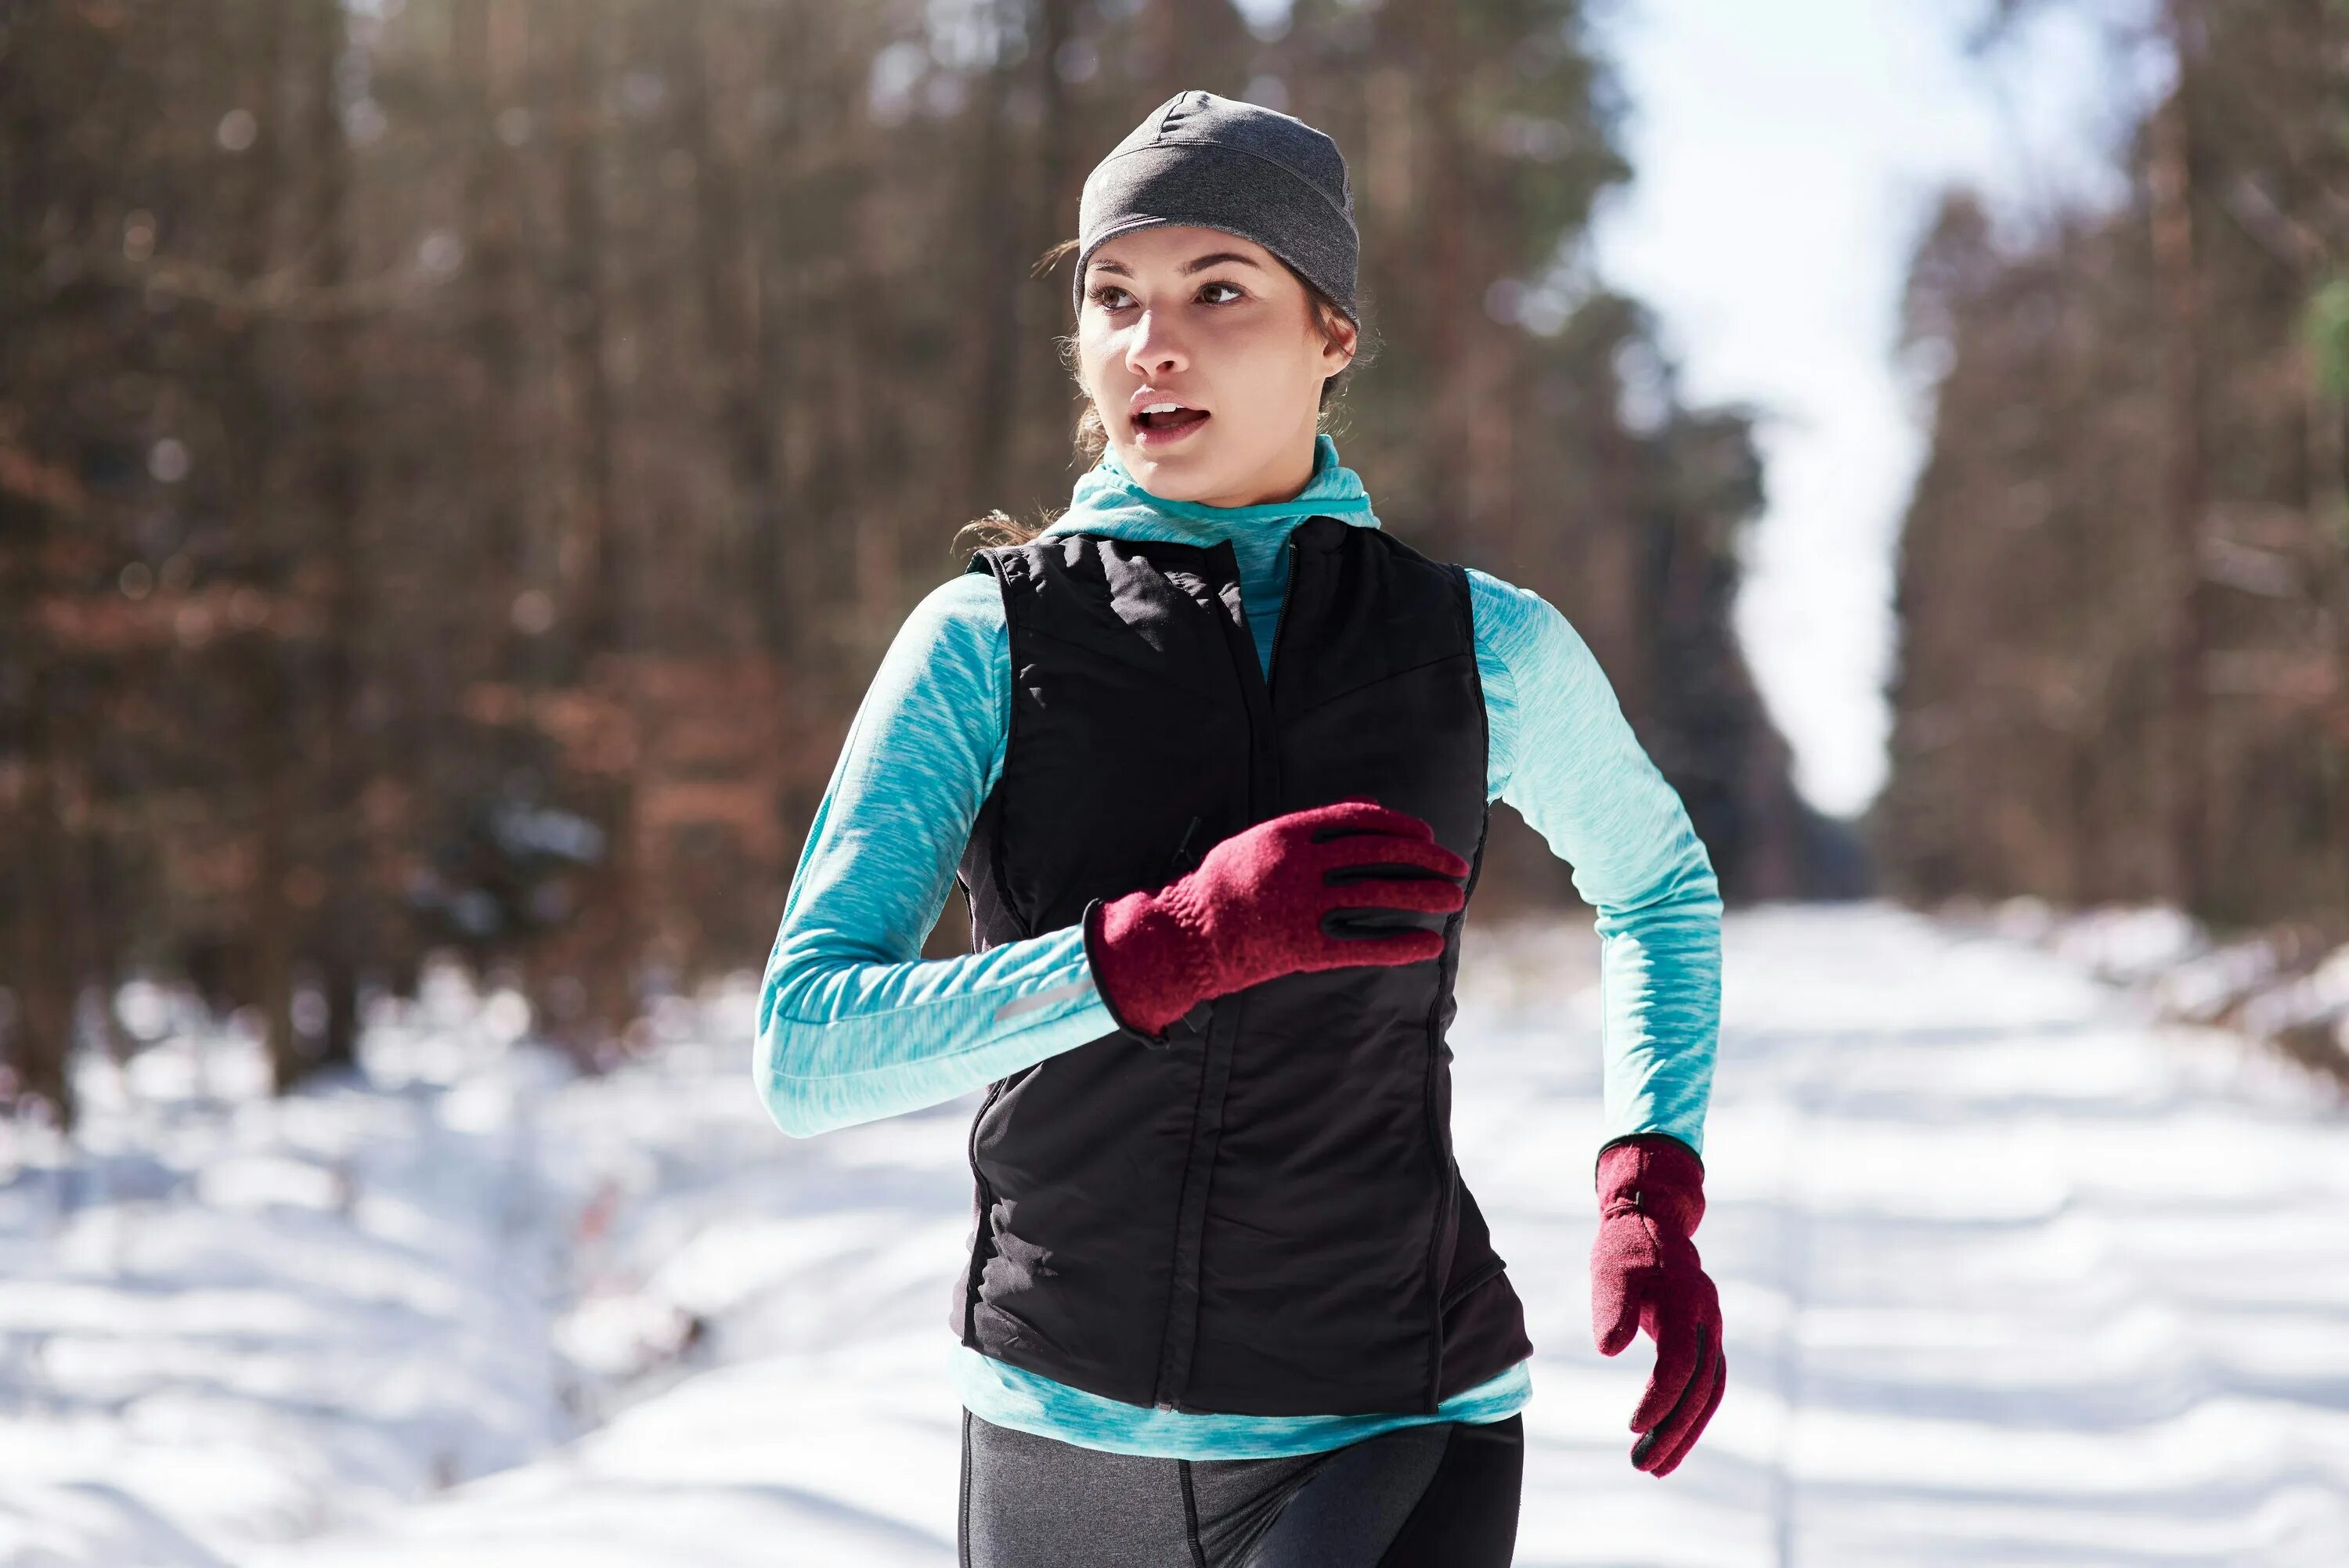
x: 1162, y: 422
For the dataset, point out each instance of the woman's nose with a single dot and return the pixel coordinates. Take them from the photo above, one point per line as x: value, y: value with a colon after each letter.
x: 1154, y: 346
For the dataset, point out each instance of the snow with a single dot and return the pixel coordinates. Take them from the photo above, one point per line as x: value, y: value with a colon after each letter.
x: 2016, y: 1271
x: 229, y: 1318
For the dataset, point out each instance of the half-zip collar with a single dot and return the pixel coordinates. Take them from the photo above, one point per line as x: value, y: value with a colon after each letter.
x: 1108, y: 499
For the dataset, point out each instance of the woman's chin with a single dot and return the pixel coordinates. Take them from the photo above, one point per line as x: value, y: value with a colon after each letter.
x: 1165, y: 464
x: 1175, y: 479
x: 1184, y: 458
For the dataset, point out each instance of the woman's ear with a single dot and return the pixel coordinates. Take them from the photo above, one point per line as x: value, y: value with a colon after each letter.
x: 1340, y: 338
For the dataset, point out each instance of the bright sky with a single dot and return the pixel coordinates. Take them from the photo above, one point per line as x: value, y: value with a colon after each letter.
x: 1787, y: 155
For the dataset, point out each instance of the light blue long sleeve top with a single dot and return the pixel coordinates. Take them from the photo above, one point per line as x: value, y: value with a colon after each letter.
x: 853, y: 1025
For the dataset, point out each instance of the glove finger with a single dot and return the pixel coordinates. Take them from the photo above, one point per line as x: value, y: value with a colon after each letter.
x: 1438, y: 894
x: 1359, y: 815
x: 1360, y: 855
x: 1402, y: 947
x: 1680, y: 1353
x: 1696, y: 1427
x: 1614, y: 1310
x: 1660, y: 1433
x: 1663, y: 1440
x: 1678, y: 1449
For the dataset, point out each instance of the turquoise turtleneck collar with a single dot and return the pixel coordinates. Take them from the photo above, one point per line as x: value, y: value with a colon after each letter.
x: 1108, y: 499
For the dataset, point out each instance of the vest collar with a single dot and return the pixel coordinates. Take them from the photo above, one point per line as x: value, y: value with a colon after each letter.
x: 1107, y: 499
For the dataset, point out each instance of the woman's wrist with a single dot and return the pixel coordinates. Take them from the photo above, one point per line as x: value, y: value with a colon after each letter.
x: 1149, y: 962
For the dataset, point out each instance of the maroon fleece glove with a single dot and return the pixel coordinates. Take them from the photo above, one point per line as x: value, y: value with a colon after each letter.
x: 1644, y: 1274
x: 1270, y: 901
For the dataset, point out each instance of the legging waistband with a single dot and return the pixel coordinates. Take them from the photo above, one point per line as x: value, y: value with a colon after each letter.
x: 1441, y: 1493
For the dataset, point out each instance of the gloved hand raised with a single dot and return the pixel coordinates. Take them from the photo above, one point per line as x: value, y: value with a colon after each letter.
x: 1644, y: 1274
x: 1270, y: 901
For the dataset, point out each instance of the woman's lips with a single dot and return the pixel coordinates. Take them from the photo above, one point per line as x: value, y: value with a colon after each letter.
x: 1156, y: 436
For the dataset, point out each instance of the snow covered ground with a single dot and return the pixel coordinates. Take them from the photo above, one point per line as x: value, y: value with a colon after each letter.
x: 2014, y: 1273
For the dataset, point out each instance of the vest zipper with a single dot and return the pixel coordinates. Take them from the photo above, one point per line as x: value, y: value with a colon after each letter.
x: 1447, y: 1209
x: 1280, y: 626
x: 1256, y: 681
x: 1180, y: 1336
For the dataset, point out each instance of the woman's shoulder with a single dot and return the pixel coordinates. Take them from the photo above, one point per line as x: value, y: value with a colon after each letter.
x: 961, y: 617
x: 969, y: 599
x: 1516, y: 625
x: 949, y: 651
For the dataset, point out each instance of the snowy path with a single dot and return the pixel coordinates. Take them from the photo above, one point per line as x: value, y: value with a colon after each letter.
x: 2012, y: 1276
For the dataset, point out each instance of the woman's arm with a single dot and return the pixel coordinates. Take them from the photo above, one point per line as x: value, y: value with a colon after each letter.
x: 1564, y: 756
x: 853, y: 1026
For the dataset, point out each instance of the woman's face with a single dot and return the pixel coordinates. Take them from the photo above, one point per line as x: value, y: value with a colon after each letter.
x: 1218, y: 325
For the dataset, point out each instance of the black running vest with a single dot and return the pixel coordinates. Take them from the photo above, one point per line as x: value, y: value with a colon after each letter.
x: 1261, y: 1216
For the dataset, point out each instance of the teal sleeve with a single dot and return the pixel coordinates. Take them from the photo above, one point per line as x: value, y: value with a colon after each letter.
x: 853, y: 1025
x: 1563, y: 755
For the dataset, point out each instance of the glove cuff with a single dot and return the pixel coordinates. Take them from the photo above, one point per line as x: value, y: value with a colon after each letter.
x: 1655, y: 1174
x: 1150, y: 968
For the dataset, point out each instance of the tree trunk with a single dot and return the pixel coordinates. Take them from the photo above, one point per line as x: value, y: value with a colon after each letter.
x: 592, y: 555
x: 41, y: 1033
x: 342, y: 939
x: 2185, y: 482
x: 252, y: 657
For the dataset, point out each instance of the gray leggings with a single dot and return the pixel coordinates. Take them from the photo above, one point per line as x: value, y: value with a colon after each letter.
x: 1444, y: 1493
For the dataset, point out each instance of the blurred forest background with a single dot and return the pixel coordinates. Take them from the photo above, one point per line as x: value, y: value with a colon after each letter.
x: 2124, y: 584
x: 460, y: 461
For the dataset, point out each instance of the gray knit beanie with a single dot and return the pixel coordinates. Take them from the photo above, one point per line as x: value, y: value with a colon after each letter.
x: 1220, y: 163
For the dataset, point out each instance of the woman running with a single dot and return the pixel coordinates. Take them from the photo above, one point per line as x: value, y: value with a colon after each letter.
x: 1211, y: 757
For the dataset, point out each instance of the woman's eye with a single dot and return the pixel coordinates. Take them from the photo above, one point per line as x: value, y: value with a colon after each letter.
x: 1098, y: 293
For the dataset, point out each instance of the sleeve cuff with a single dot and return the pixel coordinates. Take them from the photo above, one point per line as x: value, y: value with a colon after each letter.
x: 1634, y: 1138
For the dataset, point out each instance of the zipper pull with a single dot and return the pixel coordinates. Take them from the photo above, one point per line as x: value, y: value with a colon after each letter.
x: 1184, y: 860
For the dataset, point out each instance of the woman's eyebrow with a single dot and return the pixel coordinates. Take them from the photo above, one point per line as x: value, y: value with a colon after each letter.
x: 1207, y: 261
